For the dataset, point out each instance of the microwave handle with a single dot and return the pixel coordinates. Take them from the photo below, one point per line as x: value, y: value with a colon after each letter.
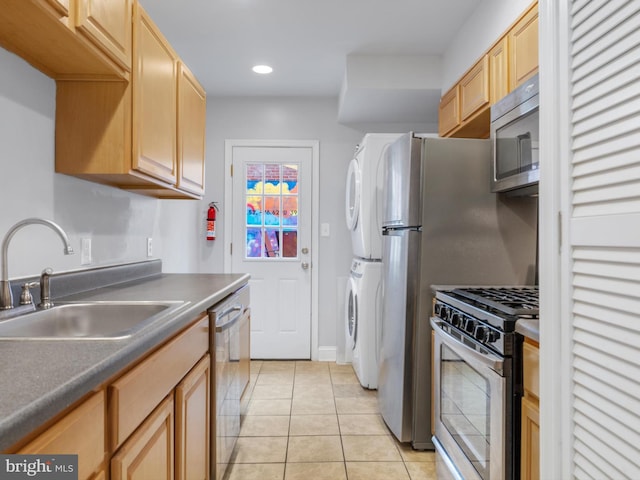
x: 524, y: 149
x: 489, y: 360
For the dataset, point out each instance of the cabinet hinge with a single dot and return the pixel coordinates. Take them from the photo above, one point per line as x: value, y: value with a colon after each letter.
x: 231, y: 170
x: 231, y: 249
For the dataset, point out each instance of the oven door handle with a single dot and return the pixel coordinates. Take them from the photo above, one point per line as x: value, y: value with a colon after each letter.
x: 489, y: 360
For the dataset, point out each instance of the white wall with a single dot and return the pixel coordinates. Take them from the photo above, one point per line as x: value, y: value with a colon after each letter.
x: 118, y: 222
x: 489, y: 20
x: 294, y: 119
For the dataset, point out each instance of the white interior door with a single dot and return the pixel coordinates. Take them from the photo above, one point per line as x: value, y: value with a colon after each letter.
x: 590, y: 293
x: 272, y: 193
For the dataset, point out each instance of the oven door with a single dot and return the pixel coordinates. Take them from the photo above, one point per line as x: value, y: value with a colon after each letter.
x: 470, y: 395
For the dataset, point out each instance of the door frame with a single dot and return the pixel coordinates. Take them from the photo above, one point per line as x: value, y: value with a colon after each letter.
x: 229, y: 145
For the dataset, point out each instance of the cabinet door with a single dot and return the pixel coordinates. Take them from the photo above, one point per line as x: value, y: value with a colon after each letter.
x: 107, y: 23
x: 192, y: 111
x: 61, y: 7
x: 499, y: 70
x: 81, y: 432
x: 523, y: 48
x: 155, y: 74
x: 448, y: 112
x: 192, y: 423
x: 149, y: 452
x: 474, y: 89
x: 530, y: 453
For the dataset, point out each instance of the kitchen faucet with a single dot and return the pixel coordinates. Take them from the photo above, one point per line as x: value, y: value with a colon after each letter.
x: 6, y: 297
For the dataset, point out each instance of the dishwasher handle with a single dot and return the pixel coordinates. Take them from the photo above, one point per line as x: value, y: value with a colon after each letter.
x: 229, y: 323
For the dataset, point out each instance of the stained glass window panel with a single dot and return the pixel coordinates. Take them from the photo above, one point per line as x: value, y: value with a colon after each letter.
x: 255, y: 173
x: 290, y: 210
x: 254, y: 242
x: 290, y: 179
x: 272, y: 210
x: 272, y: 179
x: 290, y: 243
x: 254, y: 210
x: 271, y: 243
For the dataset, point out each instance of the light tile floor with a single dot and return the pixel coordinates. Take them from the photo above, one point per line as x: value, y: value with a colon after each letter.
x: 313, y: 421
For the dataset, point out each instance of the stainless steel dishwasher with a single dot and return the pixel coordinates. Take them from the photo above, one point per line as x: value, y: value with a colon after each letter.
x: 225, y: 318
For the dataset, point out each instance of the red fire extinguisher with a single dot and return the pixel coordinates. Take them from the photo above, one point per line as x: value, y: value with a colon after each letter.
x: 211, y: 221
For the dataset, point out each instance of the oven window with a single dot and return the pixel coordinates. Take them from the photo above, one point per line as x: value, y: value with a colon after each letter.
x: 465, y: 408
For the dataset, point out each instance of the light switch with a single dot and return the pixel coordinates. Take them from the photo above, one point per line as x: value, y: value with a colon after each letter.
x: 325, y: 231
x: 149, y: 247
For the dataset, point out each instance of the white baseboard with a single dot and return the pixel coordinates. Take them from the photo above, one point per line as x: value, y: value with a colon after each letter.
x: 326, y: 354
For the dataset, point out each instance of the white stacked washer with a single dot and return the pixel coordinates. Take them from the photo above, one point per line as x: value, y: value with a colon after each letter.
x: 363, y: 299
x: 363, y: 303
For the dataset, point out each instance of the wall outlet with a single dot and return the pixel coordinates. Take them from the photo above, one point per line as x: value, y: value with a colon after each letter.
x: 149, y: 247
x: 85, y: 252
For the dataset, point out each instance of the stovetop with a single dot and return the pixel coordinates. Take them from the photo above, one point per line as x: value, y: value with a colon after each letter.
x: 513, y: 301
x: 487, y: 314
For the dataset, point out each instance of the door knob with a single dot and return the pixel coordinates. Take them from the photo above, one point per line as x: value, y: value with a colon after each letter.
x: 305, y: 265
x: 305, y: 250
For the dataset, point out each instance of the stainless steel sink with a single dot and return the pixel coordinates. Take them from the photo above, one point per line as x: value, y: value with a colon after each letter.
x: 89, y: 320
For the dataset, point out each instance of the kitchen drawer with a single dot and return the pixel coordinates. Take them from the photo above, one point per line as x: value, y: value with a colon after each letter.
x: 134, y: 395
x: 81, y: 432
x: 531, y: 368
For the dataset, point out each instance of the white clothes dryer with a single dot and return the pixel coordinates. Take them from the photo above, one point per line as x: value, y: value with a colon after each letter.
x: 363, y: 307
x: 364, y: 195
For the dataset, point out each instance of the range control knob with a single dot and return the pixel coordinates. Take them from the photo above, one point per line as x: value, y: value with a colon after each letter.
x: 492, y: 336
x: 469, y: 325
x: 456, y: 319
x: 444, y: 312
x: 481, y: 333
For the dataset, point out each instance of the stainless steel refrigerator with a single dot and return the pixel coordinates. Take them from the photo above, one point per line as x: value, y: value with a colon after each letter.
x: 441, y: 226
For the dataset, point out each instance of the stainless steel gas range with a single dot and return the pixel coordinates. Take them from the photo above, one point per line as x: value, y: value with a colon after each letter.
x: 478, y: 380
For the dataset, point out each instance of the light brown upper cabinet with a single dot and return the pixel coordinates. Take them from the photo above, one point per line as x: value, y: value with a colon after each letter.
x: 474, y: 89
x: 70, y: 38
x: 465, y: 109
x: 499, y: 70
x: 155, y: 115
x: 62, y: 7
x: 146, y: 135
x: 523, y: 48
x: 192, y: 113
x: 107, y: 23
x: 449, y: 112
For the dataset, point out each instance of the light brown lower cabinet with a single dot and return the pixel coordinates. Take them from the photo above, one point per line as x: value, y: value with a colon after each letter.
x: 530, y: 436
x: 152, y: 422
x: 530, y: 462
x: 81, y: 432
x: 149, y: 453
x: 192, y: 423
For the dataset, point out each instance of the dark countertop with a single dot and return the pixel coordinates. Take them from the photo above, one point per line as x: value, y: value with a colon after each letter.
x: 529, y: 329
x: 41, y: 378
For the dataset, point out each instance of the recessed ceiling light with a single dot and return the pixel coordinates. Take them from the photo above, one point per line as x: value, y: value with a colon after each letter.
x: 262, y: 69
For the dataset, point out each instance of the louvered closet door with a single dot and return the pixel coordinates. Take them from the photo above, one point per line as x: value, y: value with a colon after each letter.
x: 605, y: 238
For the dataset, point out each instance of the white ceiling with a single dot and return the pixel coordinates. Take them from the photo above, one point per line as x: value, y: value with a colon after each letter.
x: 307, y: 44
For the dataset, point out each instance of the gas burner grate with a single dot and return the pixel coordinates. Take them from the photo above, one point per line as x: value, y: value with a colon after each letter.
x: 517, y: 301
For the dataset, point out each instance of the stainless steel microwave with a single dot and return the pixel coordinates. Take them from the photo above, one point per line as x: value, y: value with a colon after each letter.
x: 515, y: 129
